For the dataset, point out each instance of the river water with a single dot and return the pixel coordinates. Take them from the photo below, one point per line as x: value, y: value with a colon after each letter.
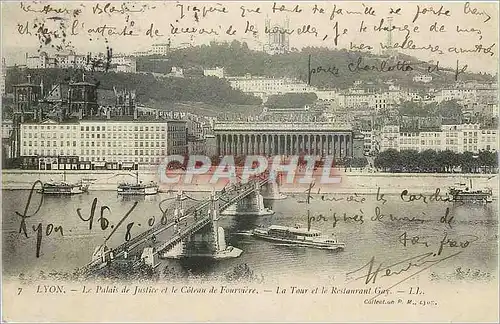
x: 469, y: 229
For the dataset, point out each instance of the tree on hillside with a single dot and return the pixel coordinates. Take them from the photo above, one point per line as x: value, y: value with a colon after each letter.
x: 450, y: 109
x: 291, y: 100
x: 410, y: 108
x: 199, y: 89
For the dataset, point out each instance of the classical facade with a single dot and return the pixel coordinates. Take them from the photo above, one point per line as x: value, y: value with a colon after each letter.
x: 275, y: 138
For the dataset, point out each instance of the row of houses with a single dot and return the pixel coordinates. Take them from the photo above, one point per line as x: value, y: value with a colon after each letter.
x: 457, y: 138
x: 96, y: 62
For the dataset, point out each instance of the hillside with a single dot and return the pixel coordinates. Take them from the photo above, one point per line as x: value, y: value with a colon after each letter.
x: 148, y: 87
x: 238, y: 59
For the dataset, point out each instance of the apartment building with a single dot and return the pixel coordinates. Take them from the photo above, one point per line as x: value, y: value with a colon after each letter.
x: 97, y: 141
x: 457, y: 138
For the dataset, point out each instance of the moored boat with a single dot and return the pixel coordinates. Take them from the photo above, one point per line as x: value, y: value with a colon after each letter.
x: 299, y: 236
x: 464, y: 193
x: 63, y: 188
x: 138, y: 188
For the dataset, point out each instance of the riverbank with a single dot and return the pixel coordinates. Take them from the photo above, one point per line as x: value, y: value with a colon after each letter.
x: 350, y: 182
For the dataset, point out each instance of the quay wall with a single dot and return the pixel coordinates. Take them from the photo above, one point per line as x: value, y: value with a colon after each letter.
x: 350, y: 182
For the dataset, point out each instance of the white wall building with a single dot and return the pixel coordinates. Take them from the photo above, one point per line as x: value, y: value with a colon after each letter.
x: 263, y: 86
x: 176, y: 72
x: 217, y: 72
x: 6, y: 128
x: 124, y: 64
x: 160, y: 49
x: 3, y: 75
x: 456, y: 138
x: 458, y: 94
x: 422, y: 78
x: 389, y: 138
x: 144, y: 142
x: 99, y: 62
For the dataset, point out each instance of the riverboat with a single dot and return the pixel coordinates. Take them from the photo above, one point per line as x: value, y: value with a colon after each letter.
x: 463, y: 193
x: 63, y: 188
x: 138, y: 188
x: 298, y: 236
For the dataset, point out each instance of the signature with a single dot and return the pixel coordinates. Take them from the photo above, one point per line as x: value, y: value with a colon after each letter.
x: 422, y: 261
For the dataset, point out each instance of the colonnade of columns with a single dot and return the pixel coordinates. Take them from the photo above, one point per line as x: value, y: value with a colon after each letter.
x: 337, y: 145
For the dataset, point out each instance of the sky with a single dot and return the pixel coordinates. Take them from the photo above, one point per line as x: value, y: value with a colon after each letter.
x: 430, y: 26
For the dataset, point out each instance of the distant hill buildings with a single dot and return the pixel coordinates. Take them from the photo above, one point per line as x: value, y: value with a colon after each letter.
x: 217, y: 72
x: 89, y: 62
x: 3, y: 75
x: 263, y: 87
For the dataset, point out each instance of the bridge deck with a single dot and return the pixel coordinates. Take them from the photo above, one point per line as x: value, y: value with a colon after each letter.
x: 226, y: 199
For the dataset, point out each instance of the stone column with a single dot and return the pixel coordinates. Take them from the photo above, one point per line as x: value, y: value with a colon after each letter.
x: 315, y: 145
x: 222, y: 151
x: 287, y: 143
x: 261, y: 144
x: 322, y: 144
x: 218, y: 143
x: 235, y: 144
x: 348, y: 145
x: 342, y: 146
x: 335, y: 146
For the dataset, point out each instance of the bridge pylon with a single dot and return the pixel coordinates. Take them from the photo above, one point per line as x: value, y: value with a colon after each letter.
x: 272, y: 191
x: 209, y: 242
x: 253, y: 204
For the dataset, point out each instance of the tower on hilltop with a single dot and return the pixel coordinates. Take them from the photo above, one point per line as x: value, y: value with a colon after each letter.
x: 82, y: 99
x: 26, y: 99
x: 125, y: 102
x: 389, y: 51
x: 278, y: 40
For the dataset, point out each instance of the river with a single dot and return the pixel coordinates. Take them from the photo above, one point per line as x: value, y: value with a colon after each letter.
x: 367, y: 229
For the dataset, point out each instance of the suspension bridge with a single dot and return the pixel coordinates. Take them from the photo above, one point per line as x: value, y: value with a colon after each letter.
x: 183, y: 227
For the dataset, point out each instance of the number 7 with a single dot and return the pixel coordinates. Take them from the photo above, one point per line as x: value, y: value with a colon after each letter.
x: 19, y: 291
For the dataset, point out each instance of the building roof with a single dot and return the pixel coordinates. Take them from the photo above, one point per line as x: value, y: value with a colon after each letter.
x: 26, y: 85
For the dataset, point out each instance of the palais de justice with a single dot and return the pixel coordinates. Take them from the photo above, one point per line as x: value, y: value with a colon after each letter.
x: 275, y: 138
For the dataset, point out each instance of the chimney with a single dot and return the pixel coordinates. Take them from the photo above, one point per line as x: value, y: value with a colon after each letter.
x: 108, y: 113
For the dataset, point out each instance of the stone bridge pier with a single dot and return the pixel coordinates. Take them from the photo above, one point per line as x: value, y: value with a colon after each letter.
x: 271, y: 191
x: 253, y: 204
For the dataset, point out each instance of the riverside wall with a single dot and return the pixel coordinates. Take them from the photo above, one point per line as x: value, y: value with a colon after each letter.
x: 350, y: 182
